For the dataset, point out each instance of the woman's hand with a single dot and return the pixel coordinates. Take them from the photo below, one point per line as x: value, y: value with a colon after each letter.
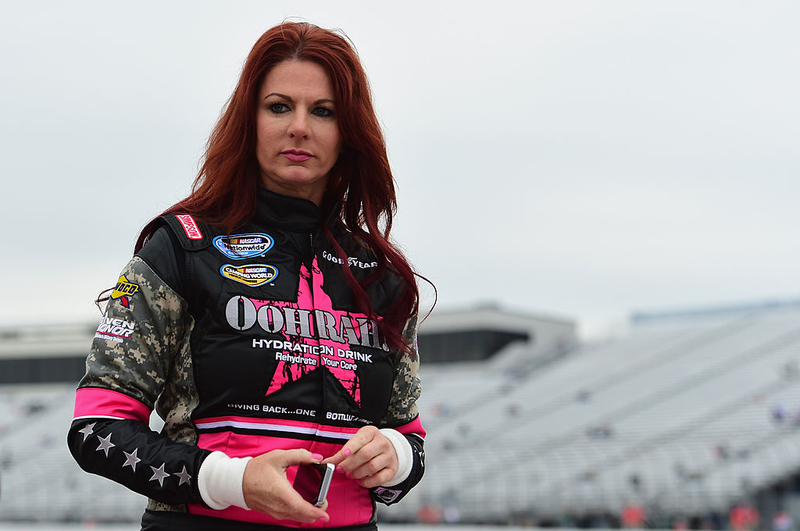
x: 266, y: 488
x: 368, y: 457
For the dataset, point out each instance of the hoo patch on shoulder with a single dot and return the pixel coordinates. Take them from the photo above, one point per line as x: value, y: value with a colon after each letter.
x: 252, y: 275
x: 241, y: 246
x: 124, y: 290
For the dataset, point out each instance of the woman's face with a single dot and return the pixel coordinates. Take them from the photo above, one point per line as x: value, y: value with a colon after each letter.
x: 298, y: 137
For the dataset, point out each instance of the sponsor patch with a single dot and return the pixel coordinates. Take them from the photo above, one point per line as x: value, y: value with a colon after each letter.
x: 387, y: 495
x: 190, y: 227
x: 252, y: 275
x: 352, y: 261
x: 241, y: 246
x: 115, y: 329
x: 124, y: 290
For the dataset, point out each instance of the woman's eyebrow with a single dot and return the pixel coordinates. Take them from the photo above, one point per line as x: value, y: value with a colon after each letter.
x: 288, y: 98
x: 279, y: 95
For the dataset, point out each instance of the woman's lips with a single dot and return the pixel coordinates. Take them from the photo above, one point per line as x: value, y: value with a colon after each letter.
x: 296, y: 155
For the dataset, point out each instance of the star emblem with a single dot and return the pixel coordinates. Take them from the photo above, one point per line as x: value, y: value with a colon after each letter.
x: 105, y: 444
x: 184, y: 476
x: 159, y: 474
x: 131, y: 459
x: 345, y: 329
x: 87, y: 430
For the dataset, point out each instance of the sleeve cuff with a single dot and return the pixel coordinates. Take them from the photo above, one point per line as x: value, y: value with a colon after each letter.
x: 220, y: 481
x: 404, y: 456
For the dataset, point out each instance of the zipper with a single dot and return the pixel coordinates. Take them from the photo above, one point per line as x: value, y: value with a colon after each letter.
x: 311, y: 255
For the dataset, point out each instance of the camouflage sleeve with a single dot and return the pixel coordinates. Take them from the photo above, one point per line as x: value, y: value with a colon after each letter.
x: 406, y: 388
x: 145, y: 328
x: 403, y: 416
x: 144, y: 325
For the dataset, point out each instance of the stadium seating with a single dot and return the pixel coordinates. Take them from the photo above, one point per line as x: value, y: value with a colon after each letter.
x: 675, y: 416
x: 683, y: 416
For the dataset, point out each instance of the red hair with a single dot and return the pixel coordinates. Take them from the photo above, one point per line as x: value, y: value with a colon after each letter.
x: 224, y: 192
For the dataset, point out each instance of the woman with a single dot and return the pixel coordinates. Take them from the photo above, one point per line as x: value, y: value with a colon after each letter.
x: 266, y: 317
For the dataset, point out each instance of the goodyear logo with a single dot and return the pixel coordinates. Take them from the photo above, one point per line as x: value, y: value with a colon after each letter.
x: 252, y: 275
x: 124, y: 290
x: 241, y: 246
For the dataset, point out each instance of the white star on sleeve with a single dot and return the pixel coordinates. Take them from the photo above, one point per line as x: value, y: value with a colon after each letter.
x: 184, y: 476
x: 159, y: 474
x: 131, y: 459
x: 87, y: 430
x: 105, y: 444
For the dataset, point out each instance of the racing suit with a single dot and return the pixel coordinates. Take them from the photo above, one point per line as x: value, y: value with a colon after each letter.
x: 244, y: 343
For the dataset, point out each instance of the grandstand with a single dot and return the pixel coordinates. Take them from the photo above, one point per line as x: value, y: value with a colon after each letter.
x: 686, y: 415
x: 680, y: 417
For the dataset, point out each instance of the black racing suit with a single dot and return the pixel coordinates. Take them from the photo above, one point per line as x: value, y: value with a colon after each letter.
x: 243, y: 343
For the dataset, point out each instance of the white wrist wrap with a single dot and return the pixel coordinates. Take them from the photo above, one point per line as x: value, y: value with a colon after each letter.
x: 404, y: 456
x: 220, y: 481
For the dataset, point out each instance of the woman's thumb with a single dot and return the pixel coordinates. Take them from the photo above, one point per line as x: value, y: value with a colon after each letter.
x: 299, y: 456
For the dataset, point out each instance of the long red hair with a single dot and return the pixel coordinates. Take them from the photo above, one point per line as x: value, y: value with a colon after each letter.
x: 224, y: 192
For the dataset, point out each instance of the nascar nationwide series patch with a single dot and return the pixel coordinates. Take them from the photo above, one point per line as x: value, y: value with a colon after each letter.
x: 241, y: 246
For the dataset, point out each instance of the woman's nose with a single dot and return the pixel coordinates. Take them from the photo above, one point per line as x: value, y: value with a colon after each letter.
x: 298, y: 127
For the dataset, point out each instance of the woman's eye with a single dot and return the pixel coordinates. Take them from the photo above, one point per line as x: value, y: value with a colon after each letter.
x: 323, y: 112
x: 278, y: 108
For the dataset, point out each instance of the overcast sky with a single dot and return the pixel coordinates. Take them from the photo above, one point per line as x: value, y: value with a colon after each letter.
x: 575, y: 158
